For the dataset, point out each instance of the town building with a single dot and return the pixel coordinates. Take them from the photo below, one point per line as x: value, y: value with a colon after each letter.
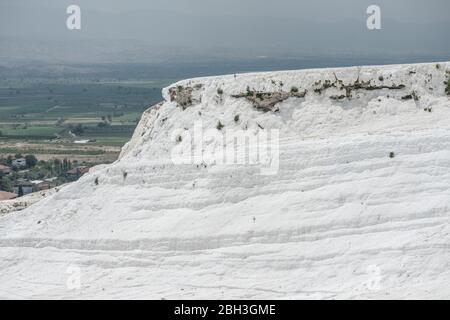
x: 77, y: 172
x: 45, y: 186
x: 19, y: 163
x: 22, y: 187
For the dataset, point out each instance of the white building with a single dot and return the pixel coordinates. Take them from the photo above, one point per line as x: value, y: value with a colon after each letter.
x: 19, y: 163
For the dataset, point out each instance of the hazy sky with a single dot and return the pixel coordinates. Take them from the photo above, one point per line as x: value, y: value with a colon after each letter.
x: 147, y: 30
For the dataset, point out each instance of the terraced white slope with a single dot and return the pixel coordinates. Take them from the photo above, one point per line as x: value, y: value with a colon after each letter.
x: 339, y: 219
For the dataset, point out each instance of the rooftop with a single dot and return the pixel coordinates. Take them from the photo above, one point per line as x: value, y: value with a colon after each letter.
x: 3, y: 167
x: 23, y: 183
x: 7, y: 195
x: 78, y: 170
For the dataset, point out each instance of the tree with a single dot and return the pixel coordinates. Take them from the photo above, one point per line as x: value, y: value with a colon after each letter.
x: 57, y: 164
x: 20, y: 193
x: 78, y: 130
x: 31, y: 160
x: 6, y: 185
x: 67, y: 165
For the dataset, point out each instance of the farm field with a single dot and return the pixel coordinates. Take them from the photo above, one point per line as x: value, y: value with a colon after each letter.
x: 49, y: 117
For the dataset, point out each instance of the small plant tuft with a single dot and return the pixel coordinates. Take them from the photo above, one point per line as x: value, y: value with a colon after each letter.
x: 219, y: 91
x: 294, y: 89
x: 219, y: 125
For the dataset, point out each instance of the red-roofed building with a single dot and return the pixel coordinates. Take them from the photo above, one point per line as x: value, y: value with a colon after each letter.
x: 7, y: 195
x: 77, y: 172
x: 4, y: 170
